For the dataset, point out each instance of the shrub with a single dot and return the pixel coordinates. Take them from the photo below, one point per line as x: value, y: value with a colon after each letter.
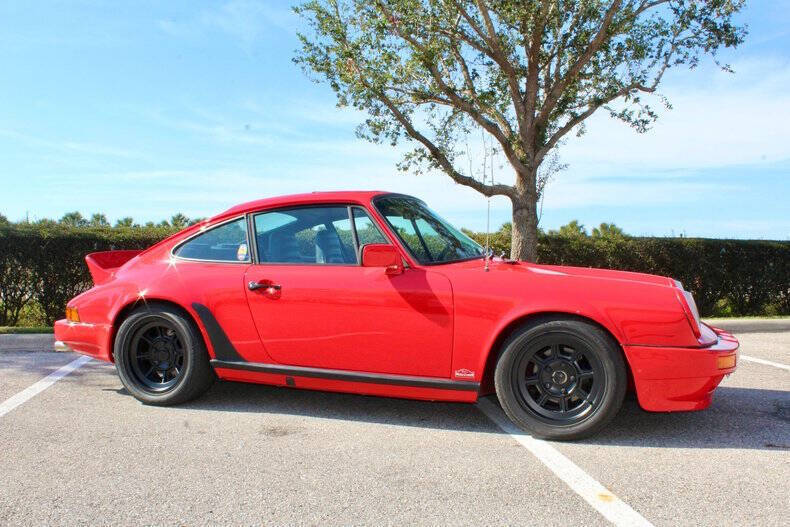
x: 42, y: 266
x: 45, y: 263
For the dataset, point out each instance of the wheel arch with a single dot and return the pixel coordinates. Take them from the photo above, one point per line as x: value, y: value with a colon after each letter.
x: 133, y: 304
x: 494, y: 351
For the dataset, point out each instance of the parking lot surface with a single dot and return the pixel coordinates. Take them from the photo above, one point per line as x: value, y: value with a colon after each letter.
x: 84, y: 451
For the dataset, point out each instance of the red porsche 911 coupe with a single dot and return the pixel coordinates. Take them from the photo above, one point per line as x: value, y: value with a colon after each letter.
x: 373, y: 293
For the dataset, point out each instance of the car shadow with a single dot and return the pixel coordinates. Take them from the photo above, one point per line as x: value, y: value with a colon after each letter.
x: 746, y: 418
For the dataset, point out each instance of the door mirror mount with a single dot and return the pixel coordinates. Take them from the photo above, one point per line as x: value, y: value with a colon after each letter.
x: 382, y: 255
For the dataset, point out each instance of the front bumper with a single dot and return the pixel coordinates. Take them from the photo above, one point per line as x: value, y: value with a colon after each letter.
x: 85, y: 338
x: 681, y: 379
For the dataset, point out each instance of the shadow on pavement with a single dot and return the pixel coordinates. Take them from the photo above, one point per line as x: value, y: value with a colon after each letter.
x: 747, y: 418
x: 739, y: 417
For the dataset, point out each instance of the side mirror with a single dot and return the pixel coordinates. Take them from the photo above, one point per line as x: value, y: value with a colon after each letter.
x: 382, y: 255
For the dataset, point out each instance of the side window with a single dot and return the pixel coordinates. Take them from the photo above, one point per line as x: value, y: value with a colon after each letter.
x: 306, y: 235
x: 226, y: 243
x: 367, y: 231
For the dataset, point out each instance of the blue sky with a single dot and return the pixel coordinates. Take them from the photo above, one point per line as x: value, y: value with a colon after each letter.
x: 144, y: 109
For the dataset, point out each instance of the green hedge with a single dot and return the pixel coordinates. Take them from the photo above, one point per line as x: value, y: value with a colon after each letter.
x: 43, y: 265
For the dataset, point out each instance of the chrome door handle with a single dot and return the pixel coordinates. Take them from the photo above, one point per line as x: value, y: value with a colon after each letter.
x: 253, y: 286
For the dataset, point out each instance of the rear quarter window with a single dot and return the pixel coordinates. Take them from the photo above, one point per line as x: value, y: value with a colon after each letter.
x: 225, y: 243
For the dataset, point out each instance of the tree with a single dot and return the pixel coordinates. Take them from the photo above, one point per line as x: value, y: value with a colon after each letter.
x: 608, y: 230
x: 4, y: 220
x: 73, y: 219
x: 574, y: 229
x: 99, y: 220
x: 527, y: 73
x: 128, y: 221
x: 179, y: 221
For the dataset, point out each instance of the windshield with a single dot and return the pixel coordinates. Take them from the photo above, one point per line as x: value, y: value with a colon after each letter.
x: 429, y: 238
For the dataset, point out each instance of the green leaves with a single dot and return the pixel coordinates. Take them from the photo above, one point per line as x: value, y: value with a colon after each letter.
x: 516, y: 69
x: 527, y: 73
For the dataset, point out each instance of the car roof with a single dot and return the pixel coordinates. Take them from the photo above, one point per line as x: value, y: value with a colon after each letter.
x: 342, y: 196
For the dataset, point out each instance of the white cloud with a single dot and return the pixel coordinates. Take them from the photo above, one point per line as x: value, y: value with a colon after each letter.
x: 722, y: 120
x: 70, y: 146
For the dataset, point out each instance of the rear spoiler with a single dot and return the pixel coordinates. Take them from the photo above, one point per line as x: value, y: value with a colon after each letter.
x: 103, y: 265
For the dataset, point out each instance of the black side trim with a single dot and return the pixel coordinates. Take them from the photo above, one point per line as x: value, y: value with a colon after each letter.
x: 223, y: 347
x: 353, y: 376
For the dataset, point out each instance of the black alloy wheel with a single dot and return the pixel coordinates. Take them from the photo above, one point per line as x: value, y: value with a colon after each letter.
x: 560, y: 378
x: 156, y: 356
x: 161, y: 357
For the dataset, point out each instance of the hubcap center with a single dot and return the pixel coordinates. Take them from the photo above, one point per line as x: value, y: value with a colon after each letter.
x: 559, y: 377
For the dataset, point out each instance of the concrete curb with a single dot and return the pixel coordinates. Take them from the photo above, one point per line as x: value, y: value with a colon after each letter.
x: 27, y: 342
x: 751, y: 325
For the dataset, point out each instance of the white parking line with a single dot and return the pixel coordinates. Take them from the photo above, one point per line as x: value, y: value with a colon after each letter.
x: 599, y: 497
x: 766, y: 362
x: 34, y: 389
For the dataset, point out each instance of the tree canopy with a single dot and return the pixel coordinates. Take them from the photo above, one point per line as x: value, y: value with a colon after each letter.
x: 527, y: 73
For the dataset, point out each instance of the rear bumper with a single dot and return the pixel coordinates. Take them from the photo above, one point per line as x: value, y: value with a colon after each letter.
x: 681, y: 379
x: 81, y: 337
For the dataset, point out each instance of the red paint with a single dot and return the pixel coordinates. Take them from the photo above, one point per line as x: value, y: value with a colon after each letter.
x: 382, y: 255
x: 439, y: 321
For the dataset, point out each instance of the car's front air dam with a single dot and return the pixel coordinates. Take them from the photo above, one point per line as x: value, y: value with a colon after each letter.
x: 681, y: 379
x: 88, y: 339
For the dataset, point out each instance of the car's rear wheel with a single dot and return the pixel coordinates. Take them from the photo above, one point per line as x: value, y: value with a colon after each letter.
x: 161, y: 357
x: 560, y: 379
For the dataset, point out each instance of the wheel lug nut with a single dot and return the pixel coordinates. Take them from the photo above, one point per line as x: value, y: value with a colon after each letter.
x: 548, y: 385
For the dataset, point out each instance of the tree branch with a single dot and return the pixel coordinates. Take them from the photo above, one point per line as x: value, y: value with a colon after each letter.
x: 439, y: 156
x: 507, y: 67
x: 458, y: 101
x: 558, y: 87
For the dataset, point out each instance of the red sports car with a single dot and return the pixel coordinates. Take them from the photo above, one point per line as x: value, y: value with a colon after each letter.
x: 373, y: 293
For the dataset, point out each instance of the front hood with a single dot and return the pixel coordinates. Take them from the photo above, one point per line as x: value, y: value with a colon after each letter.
x: 498, y: 265
x: 592, y: 272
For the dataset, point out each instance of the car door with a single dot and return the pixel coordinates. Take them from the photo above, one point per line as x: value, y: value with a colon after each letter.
x: 314, y: 305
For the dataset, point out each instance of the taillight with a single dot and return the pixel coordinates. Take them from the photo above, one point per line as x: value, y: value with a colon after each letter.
x: 689, y: 306
x: 71, y: 314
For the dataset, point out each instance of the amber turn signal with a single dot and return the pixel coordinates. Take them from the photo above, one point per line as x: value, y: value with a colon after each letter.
x: 72, y: 315
x: 727, y: 361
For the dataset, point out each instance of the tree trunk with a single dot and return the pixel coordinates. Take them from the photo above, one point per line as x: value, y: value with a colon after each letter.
x: 524, y: 237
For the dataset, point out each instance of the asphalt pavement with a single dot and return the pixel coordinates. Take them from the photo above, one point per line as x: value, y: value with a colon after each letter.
x: 83, y: 451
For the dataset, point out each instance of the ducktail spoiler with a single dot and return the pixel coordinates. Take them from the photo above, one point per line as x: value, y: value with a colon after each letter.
x: 102, y: 265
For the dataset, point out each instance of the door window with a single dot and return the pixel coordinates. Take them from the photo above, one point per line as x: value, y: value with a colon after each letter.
x: 226, y: 243
x: 367, y: 231
x: 306, y: 235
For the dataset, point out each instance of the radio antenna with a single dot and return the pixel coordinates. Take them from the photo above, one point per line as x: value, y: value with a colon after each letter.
x: 488, y: 203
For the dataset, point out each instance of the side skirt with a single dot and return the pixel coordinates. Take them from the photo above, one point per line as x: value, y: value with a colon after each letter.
x: 351, y: 376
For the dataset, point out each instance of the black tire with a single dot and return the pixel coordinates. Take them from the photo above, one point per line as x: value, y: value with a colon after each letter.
x: 160, y: 356
x: 560, y: 379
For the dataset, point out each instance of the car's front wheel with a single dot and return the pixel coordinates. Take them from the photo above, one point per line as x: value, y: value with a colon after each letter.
x: 560, y: 379
x: 161, y: 357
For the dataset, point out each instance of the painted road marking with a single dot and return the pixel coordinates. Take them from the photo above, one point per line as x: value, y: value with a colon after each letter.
x: 599, y: 497
x: 35, y: 389
x: 766, y: 362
